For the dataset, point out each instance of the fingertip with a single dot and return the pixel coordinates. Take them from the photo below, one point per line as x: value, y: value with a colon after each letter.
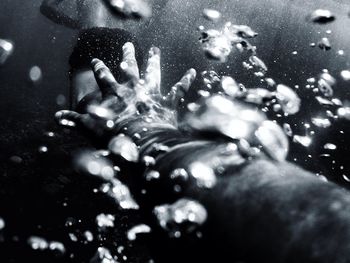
x: 128, y: 45
x: 95, y: 61
x: 154, y: 51
x: 192, y: 71
x: 97, y: 64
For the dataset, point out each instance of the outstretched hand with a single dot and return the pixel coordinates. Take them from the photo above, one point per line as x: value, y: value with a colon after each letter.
x: 137, y: 98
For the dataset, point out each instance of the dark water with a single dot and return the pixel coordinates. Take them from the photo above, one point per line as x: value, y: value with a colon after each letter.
x: 33, y: 192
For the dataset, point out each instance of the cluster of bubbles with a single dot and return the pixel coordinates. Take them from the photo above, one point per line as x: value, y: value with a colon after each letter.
x: 39, y: 243
x: 182, y: 217
x: 218, y: 44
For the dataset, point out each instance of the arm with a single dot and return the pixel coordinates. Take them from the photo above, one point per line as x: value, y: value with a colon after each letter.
x: 52, y: 10
x: 262, y: 209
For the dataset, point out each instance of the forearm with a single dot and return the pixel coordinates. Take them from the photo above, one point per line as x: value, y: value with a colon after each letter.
x: 256, y: 205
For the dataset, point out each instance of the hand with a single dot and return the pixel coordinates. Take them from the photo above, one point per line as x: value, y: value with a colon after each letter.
x: 135, y: 99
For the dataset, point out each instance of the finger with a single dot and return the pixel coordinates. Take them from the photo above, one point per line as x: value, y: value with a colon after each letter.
x: 68, y: 118
x: 179, y: 90
x: 129, y: 64
x: 105, y: 79
x: 153, y: 72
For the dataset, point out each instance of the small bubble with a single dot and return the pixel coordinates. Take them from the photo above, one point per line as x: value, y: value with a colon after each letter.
x: 211, y: 14
x: 139, y: 229
x: 43, y: 149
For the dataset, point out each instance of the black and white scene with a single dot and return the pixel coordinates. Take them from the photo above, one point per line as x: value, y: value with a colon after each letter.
x: 175, y: 131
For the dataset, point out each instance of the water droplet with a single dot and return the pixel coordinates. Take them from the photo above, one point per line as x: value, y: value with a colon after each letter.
x: 258, y: 63
x: 61, y: 100
x: 320, y: 122
x: 152, y: 175
x: 302, y: 140
x: 89, y: 236
x: 148, y: 161
x: 139, y: 229
x: 211, y: 14
x: 57, y: 247
x: 88, y: 162
x: 330, y: 146
x: 120, y: 193
x: 16, y: 159
x: 179, y: 173
x: 104, y: 220
x: 344, y: 113
x: 35, y: 74
x: 345, y: 74
x: 324, y: 44
x: 2, y: 224
x: 103, y: 255
x: 124, y: 146
x: 6, y: 50
x: 38, y: 243
x: 288, y: 99
x: 43, y: 149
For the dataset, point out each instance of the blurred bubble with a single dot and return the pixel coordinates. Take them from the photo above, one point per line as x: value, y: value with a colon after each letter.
x: 344, y: 113
x: 136, y: 230
x: 305, y: 141
x: 330, y: 146
x: 100, y: 112
x: 43, y: 149
x: 288, y: 99
x: 16, y: 159
x: 211, y: 14
x: 6, y: 50
x: 38, y: 243
x: 152, y: 175
x: 119, y: 192
x: 345, y: 74
x: 258, y: 63
x: 2, y: 224
x: 322, y: 16
x: 124, y: 146
x: 204, y: 175
x: 103, y: 255
x: 88, y: 162
x: 321, y: 122
x: 324, y: 44
x: 35, y: 74
x: 104, y: 221
x: 61, y: 100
